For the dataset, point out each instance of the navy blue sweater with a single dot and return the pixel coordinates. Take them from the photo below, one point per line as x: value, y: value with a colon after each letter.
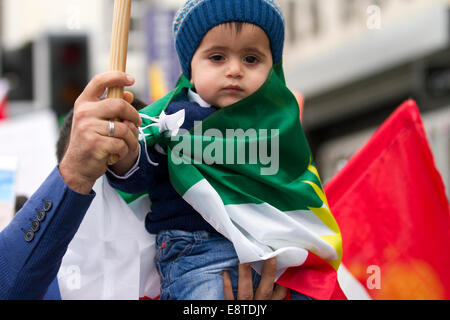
x: 169, y: 211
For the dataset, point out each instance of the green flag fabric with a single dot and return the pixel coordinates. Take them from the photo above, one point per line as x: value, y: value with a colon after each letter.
x: 248, y: 170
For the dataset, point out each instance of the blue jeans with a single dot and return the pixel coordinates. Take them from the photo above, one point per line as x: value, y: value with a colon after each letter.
x: 191, y: 265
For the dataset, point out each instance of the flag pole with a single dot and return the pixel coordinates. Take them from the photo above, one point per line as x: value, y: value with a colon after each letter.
x: 118, y: 53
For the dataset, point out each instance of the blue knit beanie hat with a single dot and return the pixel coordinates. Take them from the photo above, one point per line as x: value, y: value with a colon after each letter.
x: 197, y: 17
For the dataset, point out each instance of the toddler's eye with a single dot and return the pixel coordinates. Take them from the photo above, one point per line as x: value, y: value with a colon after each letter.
x: 251, y: 59
x: 216, y: 57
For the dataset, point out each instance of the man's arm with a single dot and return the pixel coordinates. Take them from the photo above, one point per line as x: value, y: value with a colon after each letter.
x: 33, y: 244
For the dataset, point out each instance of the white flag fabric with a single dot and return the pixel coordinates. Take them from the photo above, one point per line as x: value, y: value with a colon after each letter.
x: 112, y: 255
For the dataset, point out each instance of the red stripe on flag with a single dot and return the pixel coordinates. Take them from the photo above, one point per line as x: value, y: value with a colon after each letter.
x: 315, y: 278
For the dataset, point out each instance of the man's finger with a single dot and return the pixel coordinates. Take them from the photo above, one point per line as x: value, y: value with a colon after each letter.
x: 116, y: 109
x: 227, y: 286
x: 279, y: 293
x: 102, y: 147
x: 121, y: 130
x: 133, y: 128
x: 265, y: 288
x: 97, y: 86
x: 245, y: 284
x: 130, y: 138
x: 128, y: 96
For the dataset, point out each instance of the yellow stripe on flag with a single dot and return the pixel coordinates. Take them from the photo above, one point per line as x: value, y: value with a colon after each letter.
x: 325, y: 215
x: 335, y: 240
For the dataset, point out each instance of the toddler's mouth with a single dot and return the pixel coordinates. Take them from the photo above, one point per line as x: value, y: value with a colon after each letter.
x: 233, y: 88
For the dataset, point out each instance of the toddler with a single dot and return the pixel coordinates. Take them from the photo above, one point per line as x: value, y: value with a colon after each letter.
x: 226, y: 48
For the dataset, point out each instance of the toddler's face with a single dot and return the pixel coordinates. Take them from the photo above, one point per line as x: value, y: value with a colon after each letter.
x: 229, y: 66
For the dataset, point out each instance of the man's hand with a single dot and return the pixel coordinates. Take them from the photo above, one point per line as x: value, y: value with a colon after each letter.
x: 265, y: 290
x: 90, y: 144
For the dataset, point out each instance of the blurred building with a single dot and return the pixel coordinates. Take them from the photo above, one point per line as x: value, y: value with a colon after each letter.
x: 355, y: 61
x: 49, y: 51
x: 54, y: 41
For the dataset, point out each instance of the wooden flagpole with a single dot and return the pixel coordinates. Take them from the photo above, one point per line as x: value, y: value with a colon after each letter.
x: 119, y: 48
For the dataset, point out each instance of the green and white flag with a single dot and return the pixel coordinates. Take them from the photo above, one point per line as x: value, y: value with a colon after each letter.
x: 248, y: 170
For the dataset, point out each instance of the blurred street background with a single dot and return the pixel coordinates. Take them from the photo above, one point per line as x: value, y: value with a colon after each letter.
x: 354, y: 61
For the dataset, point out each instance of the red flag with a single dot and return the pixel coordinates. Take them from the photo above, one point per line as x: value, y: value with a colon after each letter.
x: 390, y: 203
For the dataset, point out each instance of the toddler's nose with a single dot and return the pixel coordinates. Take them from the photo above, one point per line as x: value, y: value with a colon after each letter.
x: 234, y: 69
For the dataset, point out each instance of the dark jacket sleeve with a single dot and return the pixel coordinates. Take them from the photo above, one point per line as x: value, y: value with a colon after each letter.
x: 33, y: 244
x: 144, y: 176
